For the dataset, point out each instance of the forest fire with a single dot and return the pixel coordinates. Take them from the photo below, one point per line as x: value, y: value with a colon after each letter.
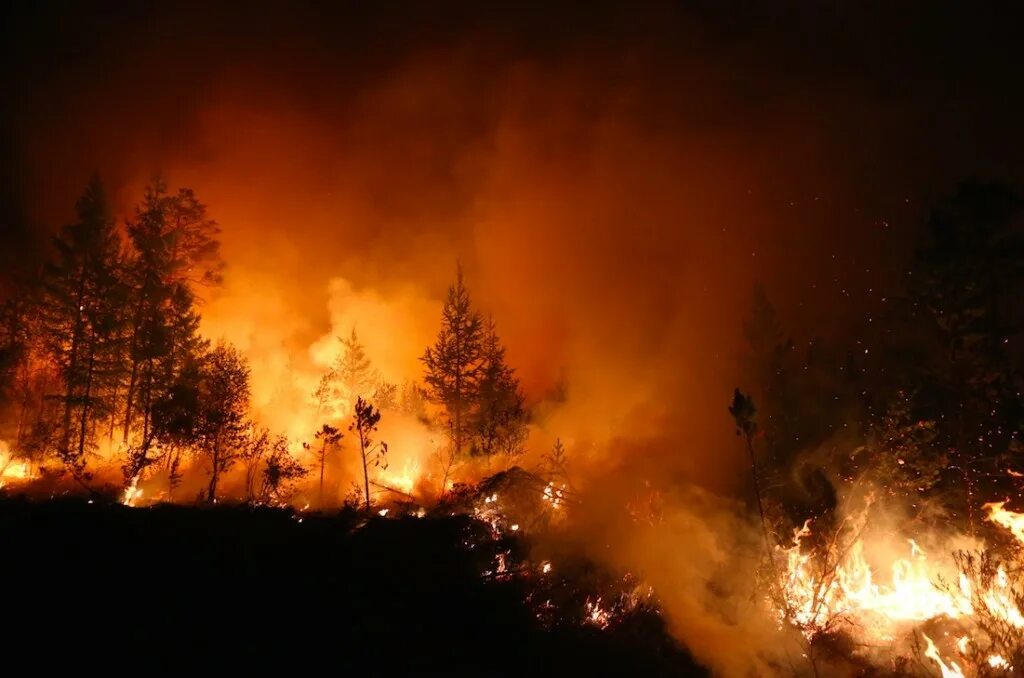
x: 837, y: 590
x: 848, y: 590
x: 350, y: 322
x: 11, y: 468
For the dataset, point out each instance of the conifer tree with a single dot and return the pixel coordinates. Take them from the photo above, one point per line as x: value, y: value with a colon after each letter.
x: 499, y: 415
x: 355, y: 374
x: 329, y: 437
x: 80, y: 318
x: 175, y: 249
x: 454, y: 363
x: 364, y: 424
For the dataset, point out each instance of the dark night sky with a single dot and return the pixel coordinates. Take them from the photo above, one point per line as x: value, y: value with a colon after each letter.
x: 851, y: 114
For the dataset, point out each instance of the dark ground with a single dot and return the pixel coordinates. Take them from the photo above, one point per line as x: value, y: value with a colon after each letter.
x: 104, y: 587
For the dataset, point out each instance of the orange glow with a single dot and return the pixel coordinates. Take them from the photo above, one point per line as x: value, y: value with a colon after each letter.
x: 850, y: 593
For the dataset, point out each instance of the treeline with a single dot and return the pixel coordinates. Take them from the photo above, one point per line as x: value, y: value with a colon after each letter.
x: 104, y: 349
x: 101, y: 356
x: 924, y: 398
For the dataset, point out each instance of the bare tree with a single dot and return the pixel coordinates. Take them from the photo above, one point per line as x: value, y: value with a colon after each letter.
x: 364, y: 423
x: 328, y: 436
x: 255, y: 449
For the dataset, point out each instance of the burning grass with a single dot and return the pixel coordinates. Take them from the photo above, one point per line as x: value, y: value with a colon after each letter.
x: 956, y: 611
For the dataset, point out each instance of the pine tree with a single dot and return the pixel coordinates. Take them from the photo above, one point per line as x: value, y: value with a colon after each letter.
x: 175, y: 249
x: 350, y: 377
x: 329, y: 437
x: 411, y: 402
x: 364, y: 423
x: 355, y: 374
x: 385, y: 394
x: 554, y: 465
x: 80, y: 314
x: 499, y: 415
x: 454, y: 363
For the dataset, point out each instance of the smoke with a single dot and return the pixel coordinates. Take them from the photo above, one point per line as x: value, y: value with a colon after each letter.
x: 612, y: 188
x: 700, y: 551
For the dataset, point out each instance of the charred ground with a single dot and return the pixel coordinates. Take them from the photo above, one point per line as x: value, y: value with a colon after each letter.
x: 230, y: 587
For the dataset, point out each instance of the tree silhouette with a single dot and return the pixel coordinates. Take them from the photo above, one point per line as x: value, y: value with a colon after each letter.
x: 280, y: 472
x: 223, y: 407
x: 385, y: 394
x: 82, y: 299
x: 353, y: 369
x: 256, y: 447
x: 966, y: 286
x: 364, y: 423
x: 455, y: 361
x: 499, y: 418
x: 554, y: 464
x: 350, y: 376
x: 175, y: 424
x: 328, y: 436
x: 174, y: 249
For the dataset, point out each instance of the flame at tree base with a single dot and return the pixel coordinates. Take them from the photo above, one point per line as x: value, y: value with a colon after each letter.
x: 835, y: 589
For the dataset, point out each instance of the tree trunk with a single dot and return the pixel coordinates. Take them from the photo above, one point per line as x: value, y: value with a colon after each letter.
x: 458, y: 411
x: 323, y: 462
x: 23, y: 412
x: 72, y: 366
x: 134, y: 356
x: 776, y: 583
x: 366, y: 471
x: 212, y: 490
x: 85, y: 401
x: 113, y: 407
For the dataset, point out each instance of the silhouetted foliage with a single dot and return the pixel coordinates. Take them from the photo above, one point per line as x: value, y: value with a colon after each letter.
x: 174, y: 249
x: 222, y: 423
x: 555, y: 463
x: 80, y: 314
x: 455, y: 362
x: 328, y: 437
x: 966, y: 288
x: 371, y: 453
x: 499, y: 416
x: 280, y: 473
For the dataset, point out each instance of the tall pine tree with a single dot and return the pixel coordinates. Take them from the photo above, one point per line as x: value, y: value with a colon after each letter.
x: 83, y: 295
x: 455, y: 362
x: 353, y: 371
x: 175, y: 249
x: 499, y: 417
